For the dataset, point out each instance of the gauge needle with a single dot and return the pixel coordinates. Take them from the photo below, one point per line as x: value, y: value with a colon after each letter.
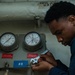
x: 35, y: 39
x: 7, y: 40
x: 30, y: 41
x: 32, y: 38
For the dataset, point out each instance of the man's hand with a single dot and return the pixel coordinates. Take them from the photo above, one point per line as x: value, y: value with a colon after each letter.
x: 49, y: 58
x: 42, y: 66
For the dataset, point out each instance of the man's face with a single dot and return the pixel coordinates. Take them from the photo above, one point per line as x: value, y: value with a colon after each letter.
x: 63, y: 29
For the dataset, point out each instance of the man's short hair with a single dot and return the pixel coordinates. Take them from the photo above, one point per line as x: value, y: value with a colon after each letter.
x: 59, y: 10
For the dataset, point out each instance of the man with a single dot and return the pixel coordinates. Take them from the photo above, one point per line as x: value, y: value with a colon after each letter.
x: 61, y: 21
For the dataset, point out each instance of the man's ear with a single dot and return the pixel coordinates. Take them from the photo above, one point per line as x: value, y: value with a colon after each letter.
x: 71, y: 18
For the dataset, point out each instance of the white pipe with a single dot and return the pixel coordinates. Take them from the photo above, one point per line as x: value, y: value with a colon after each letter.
x: 22, y: 11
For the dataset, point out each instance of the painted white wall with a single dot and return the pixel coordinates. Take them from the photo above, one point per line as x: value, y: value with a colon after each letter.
x: 59, y: 51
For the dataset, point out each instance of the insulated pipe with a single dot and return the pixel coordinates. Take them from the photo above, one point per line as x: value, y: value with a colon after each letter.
x: 22, y: 11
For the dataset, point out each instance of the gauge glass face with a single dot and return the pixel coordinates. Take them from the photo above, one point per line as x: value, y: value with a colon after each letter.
x: 8, y: 39
x: 32, y: 39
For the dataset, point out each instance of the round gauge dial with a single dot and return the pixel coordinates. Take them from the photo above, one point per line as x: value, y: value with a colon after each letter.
x: 32, y: 41
x: 8, y: 41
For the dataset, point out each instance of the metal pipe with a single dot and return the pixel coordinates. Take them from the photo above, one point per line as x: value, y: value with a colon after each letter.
x: 38, y: 20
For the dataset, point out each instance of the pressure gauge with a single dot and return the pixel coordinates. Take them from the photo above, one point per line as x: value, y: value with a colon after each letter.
x: 8, y: 42
x: 32, y: 41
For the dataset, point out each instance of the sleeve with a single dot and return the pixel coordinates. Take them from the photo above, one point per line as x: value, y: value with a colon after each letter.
x: 57, y: 71
x: 61, y: 66
x: 60, y: 69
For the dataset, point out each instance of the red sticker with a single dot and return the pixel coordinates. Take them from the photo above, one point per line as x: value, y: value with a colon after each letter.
x: 4, y: 55
x: 32, y: 55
